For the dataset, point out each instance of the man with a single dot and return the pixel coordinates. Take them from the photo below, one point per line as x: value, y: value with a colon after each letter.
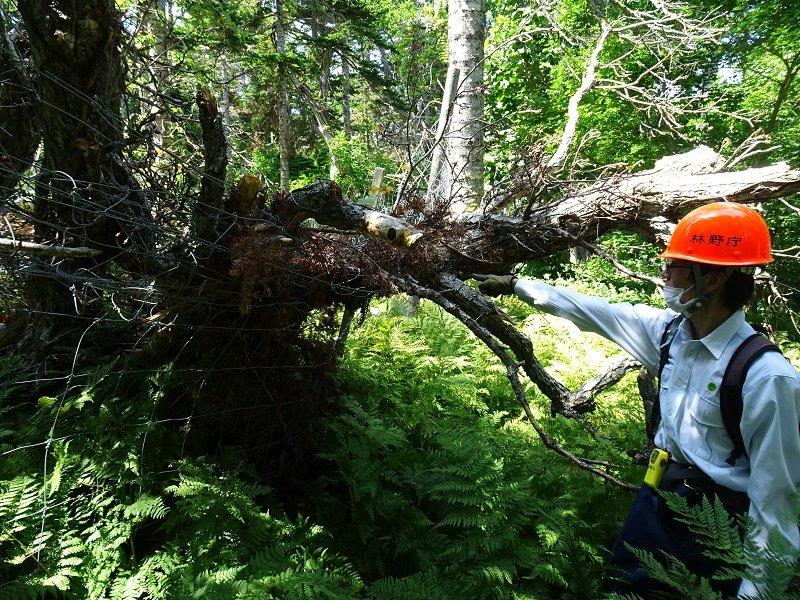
x: 707, y: 278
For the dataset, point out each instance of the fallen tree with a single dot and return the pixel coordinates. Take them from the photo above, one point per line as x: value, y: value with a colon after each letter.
x: 495, y: 243
x: 229, y: 283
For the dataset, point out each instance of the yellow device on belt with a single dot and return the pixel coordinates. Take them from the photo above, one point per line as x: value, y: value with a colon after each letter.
x: 656, y: 466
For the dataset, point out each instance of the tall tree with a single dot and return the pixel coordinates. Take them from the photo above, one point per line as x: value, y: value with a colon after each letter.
x: 284, y: 115
x: 466, y: 34
x: 85, y: 193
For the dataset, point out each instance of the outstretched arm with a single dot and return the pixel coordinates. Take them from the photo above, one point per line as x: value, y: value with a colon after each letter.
x: 636, y: 328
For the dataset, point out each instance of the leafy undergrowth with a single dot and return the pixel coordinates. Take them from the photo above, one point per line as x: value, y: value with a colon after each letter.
x: 445, y: 479
x: 433, y: 484
x: 433, y: 487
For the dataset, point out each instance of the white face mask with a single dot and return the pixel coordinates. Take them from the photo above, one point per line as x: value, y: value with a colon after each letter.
x: 672, y: 298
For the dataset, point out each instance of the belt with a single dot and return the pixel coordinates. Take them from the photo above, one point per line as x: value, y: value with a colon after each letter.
x: 695, y: 479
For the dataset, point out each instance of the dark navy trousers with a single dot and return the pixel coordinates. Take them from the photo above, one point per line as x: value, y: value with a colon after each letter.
x: 651, y: 526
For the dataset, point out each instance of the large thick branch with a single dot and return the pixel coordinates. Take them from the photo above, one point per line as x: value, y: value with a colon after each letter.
x: 324, y: 203
x: 562, y: 400
x: 483, y: 311
x: 639, y: 202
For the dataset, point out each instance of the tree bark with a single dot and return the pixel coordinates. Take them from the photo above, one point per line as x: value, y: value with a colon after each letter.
x: 20, y: 134
x: 84, y: 194
x: 466, y: 34
x: 347, y: 123
x: 90, y: 194
x: 209, y: 207
x: 284, y: 116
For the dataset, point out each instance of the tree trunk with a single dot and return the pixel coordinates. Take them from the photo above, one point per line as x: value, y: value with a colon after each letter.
x: 587, y: 81
x: 284, y: 116
x: 325, y: 74
x: 435, y: 174
x: 225, y: 99
x: 212, y: 189
x: 85, y: 195
x: 76, y: 48
x: 19, y: 128
x: 323, y: 124
x: 347, y: 124
x: 427, y: 265
x: 155, y: 20
x: 466, y: 33
x: 792, y: 69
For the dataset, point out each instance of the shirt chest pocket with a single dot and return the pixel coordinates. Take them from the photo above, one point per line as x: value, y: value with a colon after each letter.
x: 702, y: 430
x: 666, y: 376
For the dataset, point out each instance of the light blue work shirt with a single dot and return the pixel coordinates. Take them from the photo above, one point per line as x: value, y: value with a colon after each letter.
x: 691, y: 421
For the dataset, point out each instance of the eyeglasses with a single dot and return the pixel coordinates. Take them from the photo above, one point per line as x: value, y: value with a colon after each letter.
x: 669, y: 267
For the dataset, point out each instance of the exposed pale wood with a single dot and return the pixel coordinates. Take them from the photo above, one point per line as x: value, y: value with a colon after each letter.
x: 56, y: 251
x: 324, y: 203
x: 573, y: 113
x: 445, y: 110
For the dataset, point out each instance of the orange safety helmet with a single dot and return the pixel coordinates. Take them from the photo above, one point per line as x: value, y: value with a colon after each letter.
x: 721, y: 233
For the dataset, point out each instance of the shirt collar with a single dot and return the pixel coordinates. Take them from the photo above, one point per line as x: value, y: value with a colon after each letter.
x: 717, y: 340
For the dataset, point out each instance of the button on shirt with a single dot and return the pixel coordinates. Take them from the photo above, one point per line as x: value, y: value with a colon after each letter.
x: 691, y: 426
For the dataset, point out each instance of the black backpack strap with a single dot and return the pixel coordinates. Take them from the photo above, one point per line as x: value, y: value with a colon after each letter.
x: 666, y: 342
x: 731, y: 403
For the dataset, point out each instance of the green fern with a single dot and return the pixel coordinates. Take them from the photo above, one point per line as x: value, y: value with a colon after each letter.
x: 772, y: 567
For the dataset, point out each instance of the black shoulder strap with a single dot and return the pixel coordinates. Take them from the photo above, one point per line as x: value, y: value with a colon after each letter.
x: 666, y: 341
x: 730, y: 393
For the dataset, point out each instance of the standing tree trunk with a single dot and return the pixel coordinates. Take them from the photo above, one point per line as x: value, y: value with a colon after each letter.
x: 76, y: 50
x: 347, y: 123
x: 466, y: 33
x: 155, y: 22
x: 19, y: 129
x: 284, y: 116
x: 85, y: 195
x: 792, y: 69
